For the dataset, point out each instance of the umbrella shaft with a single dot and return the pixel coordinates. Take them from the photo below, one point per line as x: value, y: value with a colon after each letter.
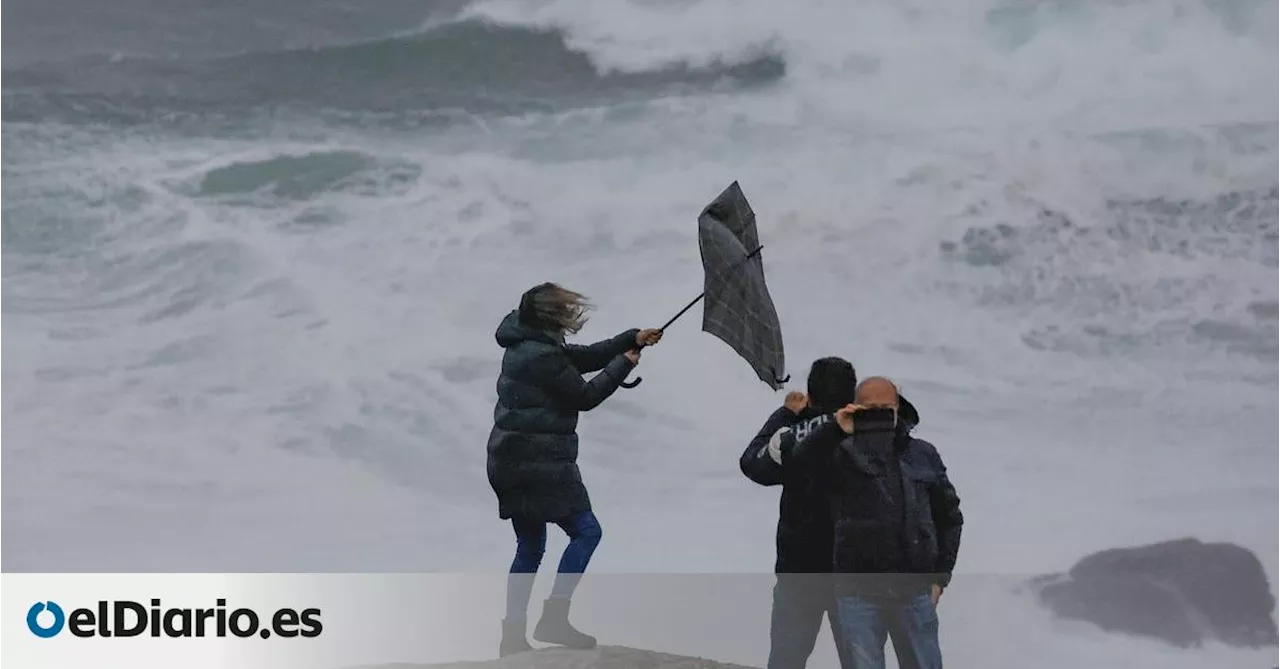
x: 681, y: 312
x: 703, y: 294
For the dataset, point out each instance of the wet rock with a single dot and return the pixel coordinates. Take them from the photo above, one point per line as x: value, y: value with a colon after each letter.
x: 1184, y: 592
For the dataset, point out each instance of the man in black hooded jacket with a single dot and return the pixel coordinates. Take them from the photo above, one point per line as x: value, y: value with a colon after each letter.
x: 897, y: 525
x: 805, y: 536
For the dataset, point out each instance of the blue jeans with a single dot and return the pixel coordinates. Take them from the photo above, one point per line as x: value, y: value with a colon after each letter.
x: 531, y: 542
x: 865, y: 623
x: 799, y: 603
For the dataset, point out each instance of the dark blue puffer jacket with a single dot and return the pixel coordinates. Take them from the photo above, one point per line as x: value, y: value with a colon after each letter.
x: 533, y: 447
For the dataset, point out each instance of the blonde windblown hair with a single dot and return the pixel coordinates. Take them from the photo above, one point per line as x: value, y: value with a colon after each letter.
x: 554, y: 309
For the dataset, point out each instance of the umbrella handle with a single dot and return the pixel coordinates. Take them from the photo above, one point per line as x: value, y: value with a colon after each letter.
x: 632, y: 384
x: 687, y: 307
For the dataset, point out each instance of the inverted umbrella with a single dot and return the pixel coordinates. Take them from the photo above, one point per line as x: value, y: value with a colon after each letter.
x: 738, y: 310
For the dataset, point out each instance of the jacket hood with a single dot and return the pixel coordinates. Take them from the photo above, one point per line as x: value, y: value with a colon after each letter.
x: 908, y: 416
x: 512, y: 331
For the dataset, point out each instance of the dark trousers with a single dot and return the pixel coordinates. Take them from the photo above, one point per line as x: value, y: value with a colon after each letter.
x: 799, y: 603
x: 531, y: 543
x: 865, y: 622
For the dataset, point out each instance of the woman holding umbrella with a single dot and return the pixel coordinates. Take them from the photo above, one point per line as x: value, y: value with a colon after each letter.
x: 533, y: 448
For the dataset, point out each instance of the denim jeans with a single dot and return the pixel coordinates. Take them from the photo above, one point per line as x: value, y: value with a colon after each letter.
x: 531, y: 542
x: 866, y: 622
x: 799, y: 603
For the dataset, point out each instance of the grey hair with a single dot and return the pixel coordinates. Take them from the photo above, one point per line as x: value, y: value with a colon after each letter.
x: 554, y: 309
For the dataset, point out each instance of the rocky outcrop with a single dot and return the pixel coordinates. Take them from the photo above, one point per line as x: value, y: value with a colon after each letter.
x: 1184, y: 592
x: 603, y: 657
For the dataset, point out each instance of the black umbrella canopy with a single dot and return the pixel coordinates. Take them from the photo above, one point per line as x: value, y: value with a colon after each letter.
x: 739, y: 309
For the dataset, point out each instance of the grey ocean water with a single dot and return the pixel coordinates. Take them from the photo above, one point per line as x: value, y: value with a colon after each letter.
x: 254, y: 254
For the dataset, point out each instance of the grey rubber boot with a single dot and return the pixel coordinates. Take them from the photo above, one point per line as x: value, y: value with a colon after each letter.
x: 554, y: 627
x: 513, y: 639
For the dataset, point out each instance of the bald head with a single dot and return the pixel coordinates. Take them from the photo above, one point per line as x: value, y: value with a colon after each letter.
x: 877, y: 392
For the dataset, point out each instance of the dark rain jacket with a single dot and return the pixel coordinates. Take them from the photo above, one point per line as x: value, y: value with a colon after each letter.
x: 533, y: 447
x: 806, y: 533
x: 897, y: 518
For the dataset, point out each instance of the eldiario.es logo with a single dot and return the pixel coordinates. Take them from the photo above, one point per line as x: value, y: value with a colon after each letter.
x: 125, y: 618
